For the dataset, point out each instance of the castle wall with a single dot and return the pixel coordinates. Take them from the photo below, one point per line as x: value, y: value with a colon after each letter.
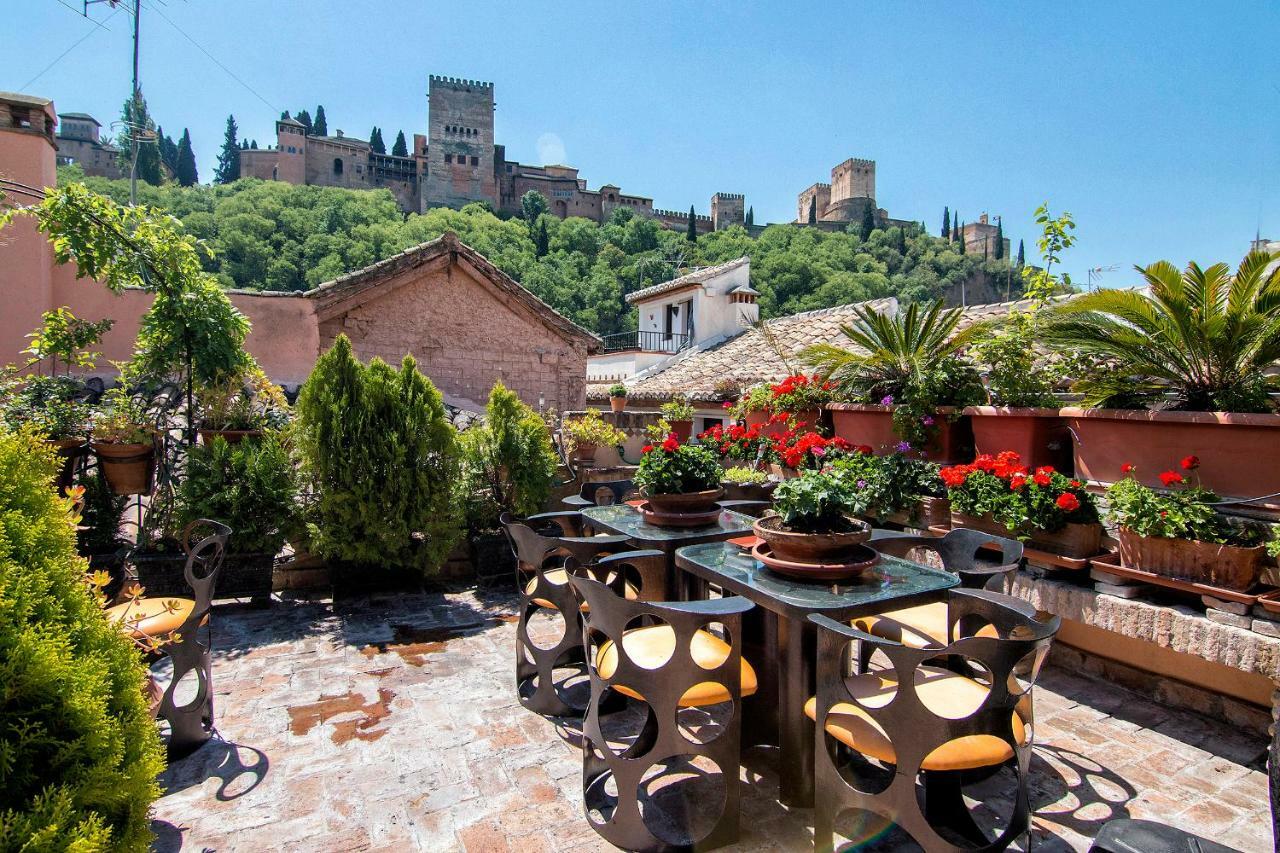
x: 817, y: 198
x: 323, y: 156
x: 728, y: 209
x: 259, y: 164
x: 460, y: 153
x: 92, y: 156
x: 854, y: 178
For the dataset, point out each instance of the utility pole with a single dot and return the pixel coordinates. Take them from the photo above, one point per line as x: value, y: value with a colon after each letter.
x: 134, y: 128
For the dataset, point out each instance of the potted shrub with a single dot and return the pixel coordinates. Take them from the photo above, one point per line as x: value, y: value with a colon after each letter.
x: 54, y: 406
x: 1045, y: 508
x: 747, y: 484
x: 907, y: 382
x: 813, y: 519
x: 1188, y: 359
x: 587, y: 433
x: 124, y: 440
x: 1178, y: 532
x: 679, y: 413
x: 898, y: 488
x: 679, y: 478
x: 617, y: 397
x: 241, y: 406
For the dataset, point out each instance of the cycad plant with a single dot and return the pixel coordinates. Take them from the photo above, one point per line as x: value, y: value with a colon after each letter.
x: 1198, y: 340
x: 910, y: 359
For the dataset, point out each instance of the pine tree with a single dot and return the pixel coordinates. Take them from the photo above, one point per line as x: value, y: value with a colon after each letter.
x: 186, y: 168
x: 284, y: 116
x: 168, y: 151
x: 542, y: 242
x: 692, y: 233
x: 321, y: 125
x: 228, y: 168
x: 376, y: 144
x: 999, y: 238
x: 946, y: 222
x: 304, y: 118
x: 960, y: 238
x: 868, y: 220
x: 1022, y: 255
x: 137, y: 116
x: 400, y: 148
x: 813, y: 210
x: 751, y: 216
x: 254, y: 145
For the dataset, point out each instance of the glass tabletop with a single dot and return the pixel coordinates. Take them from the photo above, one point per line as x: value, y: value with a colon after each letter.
x: 892, y: 581
x: 625, y: 520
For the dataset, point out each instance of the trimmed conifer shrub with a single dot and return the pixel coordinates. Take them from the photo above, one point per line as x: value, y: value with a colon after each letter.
x: 509, y: 462
x: 79, y: 752
x: 383, y: 460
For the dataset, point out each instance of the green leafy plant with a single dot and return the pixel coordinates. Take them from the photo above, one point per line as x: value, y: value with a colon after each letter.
x: 123, y: 418
x: 1040, y: 283
x: 383, y: 460
x: 889, y: 484
x: 1023, y: 501
x: 1198, y: 340
x: 744, y: 476
x: 677, y: 409
x: 243, y: 402
x: 250, y: 486
x: 100, y: 517
x: 672, y: 468
x: 63, y: 335
x: 1016, y: 375
x: 618, y: 390
x: 817, y: 502
x: 508, y: 463
x: 757, y: 398
x: 80, y: 750
x: 590, y: 430
x: 910, y: 360
x: 1185, y: 510
x: 53, y: 405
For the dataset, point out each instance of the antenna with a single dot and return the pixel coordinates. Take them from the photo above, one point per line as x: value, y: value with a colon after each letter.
x: 1095, y: 274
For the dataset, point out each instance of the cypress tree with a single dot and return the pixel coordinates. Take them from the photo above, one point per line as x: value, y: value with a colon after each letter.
x: 376, y: 145
x: 813, y: 210
x: 692, y: 233
x: 999, y: 239
x: 1022, y: 256
x: 751, y: 216
x: 304, y: 118
x: 149, y: 162
x: 321, y: 125
x: 946, y: 222
x: 254, y: 145
x: 960, y: 238
x: 284, y: 116
x: 400, y: 148
x: 186, y: 169
x: 168, y: 150
x: 868, y: 220
x: 541, y: 242
x: 228, y: 168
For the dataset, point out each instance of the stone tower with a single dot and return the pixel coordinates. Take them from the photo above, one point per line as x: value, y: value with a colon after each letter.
x: 853, y: 178
x: 291, y: 143
x: 460, y: 152
x: 728, y: 209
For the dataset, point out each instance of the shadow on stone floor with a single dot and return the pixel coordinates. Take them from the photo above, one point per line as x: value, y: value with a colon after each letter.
x: 240, y: 769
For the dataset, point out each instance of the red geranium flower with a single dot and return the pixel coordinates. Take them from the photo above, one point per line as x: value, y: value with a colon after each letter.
x: 865, y: 449
x: 1190, y: 463
x: 1017, y: 482
x: 1170, y: 478
x: 1042, y: 479
x: 1068, y: 502
x: 1075, y: 484
x: 671, y: 445
x: 1128, y: 468
x: 647, y: 448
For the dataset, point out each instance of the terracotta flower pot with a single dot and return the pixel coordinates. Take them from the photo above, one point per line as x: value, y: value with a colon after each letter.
x: 231, y: 436
x: 810, y: 547
x: 617, y: 404
x: 1039, y: 436
x: 585, y: 453
x: 749, y: 491
x: 1189, y: 559
x: 864, y: 423
x: 1237, y: 451
x: 69, y: 452
x: 928, y: 512
x: 127, y: 467
x: 690, y: 502
x: 1076, y: 541
x: 682, y: 430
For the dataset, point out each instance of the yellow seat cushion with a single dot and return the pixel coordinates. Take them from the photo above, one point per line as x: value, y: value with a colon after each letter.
x: 939, y: 690
x: 653, y: 646
x: 916, y: 627
x: 152, y: 617
x: 560, y: 577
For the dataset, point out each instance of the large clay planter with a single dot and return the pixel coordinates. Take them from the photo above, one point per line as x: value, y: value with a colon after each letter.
x: 864, y: 423
x: 748, y: 491
x: 810, y: 547
x: 127, y: 467
x: 686, y: 502
x: 810, y: 417
x: 1076, y: 541
x: 1039, y: 436
x: 1189, y: 559
x: 928, y: 512
x: 231, y: 436
x: 682, y: 430
x: 1238, y: 452
x: 584, y: 453
x: 617, y: 404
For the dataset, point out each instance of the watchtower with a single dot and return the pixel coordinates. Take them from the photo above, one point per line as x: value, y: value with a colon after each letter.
x: 291, y: 145
x: 460, y: 150
x: 728, y: 209
x: 854, y: 178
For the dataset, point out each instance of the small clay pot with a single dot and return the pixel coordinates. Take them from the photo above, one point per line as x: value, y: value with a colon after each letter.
x: 617, y: 404
x: 686, y: 501
x: 585, y: 453
x: 810, y: 547
x: 682, y: 430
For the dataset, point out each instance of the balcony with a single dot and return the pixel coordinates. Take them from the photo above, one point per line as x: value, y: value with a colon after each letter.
x: 647, y: 342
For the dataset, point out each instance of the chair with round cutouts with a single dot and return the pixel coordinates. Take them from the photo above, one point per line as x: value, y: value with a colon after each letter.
x: 172, y: 627
x: 601, y: 493
x: 902, y: 741
x: 669, y: 780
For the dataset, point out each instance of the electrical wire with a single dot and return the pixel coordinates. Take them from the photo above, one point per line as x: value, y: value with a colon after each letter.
x: 62, y: 55
x: 80, y: 14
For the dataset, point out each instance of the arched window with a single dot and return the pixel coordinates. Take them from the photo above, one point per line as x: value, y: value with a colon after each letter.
x: 337, y: 165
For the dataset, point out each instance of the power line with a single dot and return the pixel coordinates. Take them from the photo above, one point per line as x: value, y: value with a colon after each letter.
x: 80, y: 14
x: 62, y: 55
x: 212, y: 58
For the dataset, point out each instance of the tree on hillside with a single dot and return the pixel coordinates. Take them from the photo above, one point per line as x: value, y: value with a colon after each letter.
x: 542, y: 241
x: 321, y: 126
x: 813, y: 211
x: 1022, y: 255
x: 868, y: 220
x: 228, y: 168
x: 136, y: 117
x: 400, y: 148
x: 185, y: 173
x: 691, y: 234
x: 999, y: 238
x: 376, y: 145
x: 532, y: 205
x: 751, y: 216
x: 254, y: 145
x: 304, y: 118
x: 168, y: 150
x: 960, y: 239
x: 946, y: 222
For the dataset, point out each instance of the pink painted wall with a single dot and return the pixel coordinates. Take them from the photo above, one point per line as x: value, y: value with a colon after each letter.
x: 26, y: 258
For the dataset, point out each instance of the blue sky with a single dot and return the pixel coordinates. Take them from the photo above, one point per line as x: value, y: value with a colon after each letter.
x: 1156, y: 124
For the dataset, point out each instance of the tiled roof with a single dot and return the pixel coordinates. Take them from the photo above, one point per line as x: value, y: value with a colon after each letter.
x: 80, y: 117
x: 28, y: 100
x: 745, y: 358
x: 696, y: 277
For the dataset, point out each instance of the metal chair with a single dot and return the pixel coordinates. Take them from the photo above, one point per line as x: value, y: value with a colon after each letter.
x: 958, y: 551
x: 190, y: 723
x: 901, y: 741
x: 665, y: 656
x: 1125, y: 835
x: 589, y: 494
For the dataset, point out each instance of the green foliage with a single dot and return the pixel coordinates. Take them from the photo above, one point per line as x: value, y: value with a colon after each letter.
x: 1055, y: 237
x: 185, y: 164
x: 509, y: 463
x: 744, y: 476
x: 100, y: 518
x: 51, y: 405
x: 376, y: 145
x: 168, y: 150
x: 672, y: 468
x: 617, y: 389
x: 590, y: 430
x: 946, y: 222
x: 868, y: 220
x: 63, y: 335
x: 1016, y: 375
x: 817, y: 502
x: 250, y: 486
x: 1200, y: 340
x: 677, y: 409
x: 383, y: 459
x: 79, y: 752
x: 228, y: 168
x: 400, y: 148
x: 888, y: 484
x: 532, y: 205
x: 134, y: 116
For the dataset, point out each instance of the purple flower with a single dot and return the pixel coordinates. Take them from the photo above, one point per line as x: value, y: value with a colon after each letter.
x: 887, y: 400
x: 862, y: 484
x: 902, y: 446
x: 818, y: 451
x: 927, y: 420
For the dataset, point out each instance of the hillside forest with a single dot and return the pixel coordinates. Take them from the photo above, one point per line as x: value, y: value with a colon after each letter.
x: 270, y: 235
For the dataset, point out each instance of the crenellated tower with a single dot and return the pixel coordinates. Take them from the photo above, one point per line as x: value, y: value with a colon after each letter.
x: 460, y: 144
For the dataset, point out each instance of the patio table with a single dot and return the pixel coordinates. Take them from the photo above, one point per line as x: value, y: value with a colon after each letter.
x: 625, y: 520
x: 786, y: 653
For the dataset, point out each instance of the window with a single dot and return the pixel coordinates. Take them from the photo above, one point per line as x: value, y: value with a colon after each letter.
x: 448, y: 158
x: 337, y: 165
x: 708, y: 423
x: 475, y: 161
x: 669, y: 320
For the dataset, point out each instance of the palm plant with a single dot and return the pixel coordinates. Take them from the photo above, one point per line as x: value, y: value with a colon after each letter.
x: 1198, y: 340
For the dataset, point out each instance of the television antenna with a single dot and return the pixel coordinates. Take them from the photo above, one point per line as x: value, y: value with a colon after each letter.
x: 1095, y: 275
x: 136, y: 134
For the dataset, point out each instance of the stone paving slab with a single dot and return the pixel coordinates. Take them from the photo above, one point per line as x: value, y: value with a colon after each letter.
x: 391, y: 723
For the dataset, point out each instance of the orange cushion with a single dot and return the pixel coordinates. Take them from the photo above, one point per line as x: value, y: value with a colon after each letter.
x: 559, y: 577
x: 653, y: 646
x: 917, y: 627
x: 152, y: 617
x: 940, y: 691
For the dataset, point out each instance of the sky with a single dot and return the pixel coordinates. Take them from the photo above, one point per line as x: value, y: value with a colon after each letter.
x: 1155, y: 124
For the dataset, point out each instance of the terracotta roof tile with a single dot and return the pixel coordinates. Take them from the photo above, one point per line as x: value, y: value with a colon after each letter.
x: 695, y: 277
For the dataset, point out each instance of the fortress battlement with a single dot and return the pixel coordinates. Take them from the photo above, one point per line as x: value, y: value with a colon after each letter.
x: 458, y: 81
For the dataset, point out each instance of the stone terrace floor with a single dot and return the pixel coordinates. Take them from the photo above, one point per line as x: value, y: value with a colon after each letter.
x: 391, y: 723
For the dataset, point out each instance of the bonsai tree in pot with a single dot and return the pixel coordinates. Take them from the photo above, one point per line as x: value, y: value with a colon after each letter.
x: 813, y: 519
x: 678, y: 412
x: 617, y: 397
x: 589, y: 432
x: 679, y: 478
x: 1178, y: 532
x: 909, y: 364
